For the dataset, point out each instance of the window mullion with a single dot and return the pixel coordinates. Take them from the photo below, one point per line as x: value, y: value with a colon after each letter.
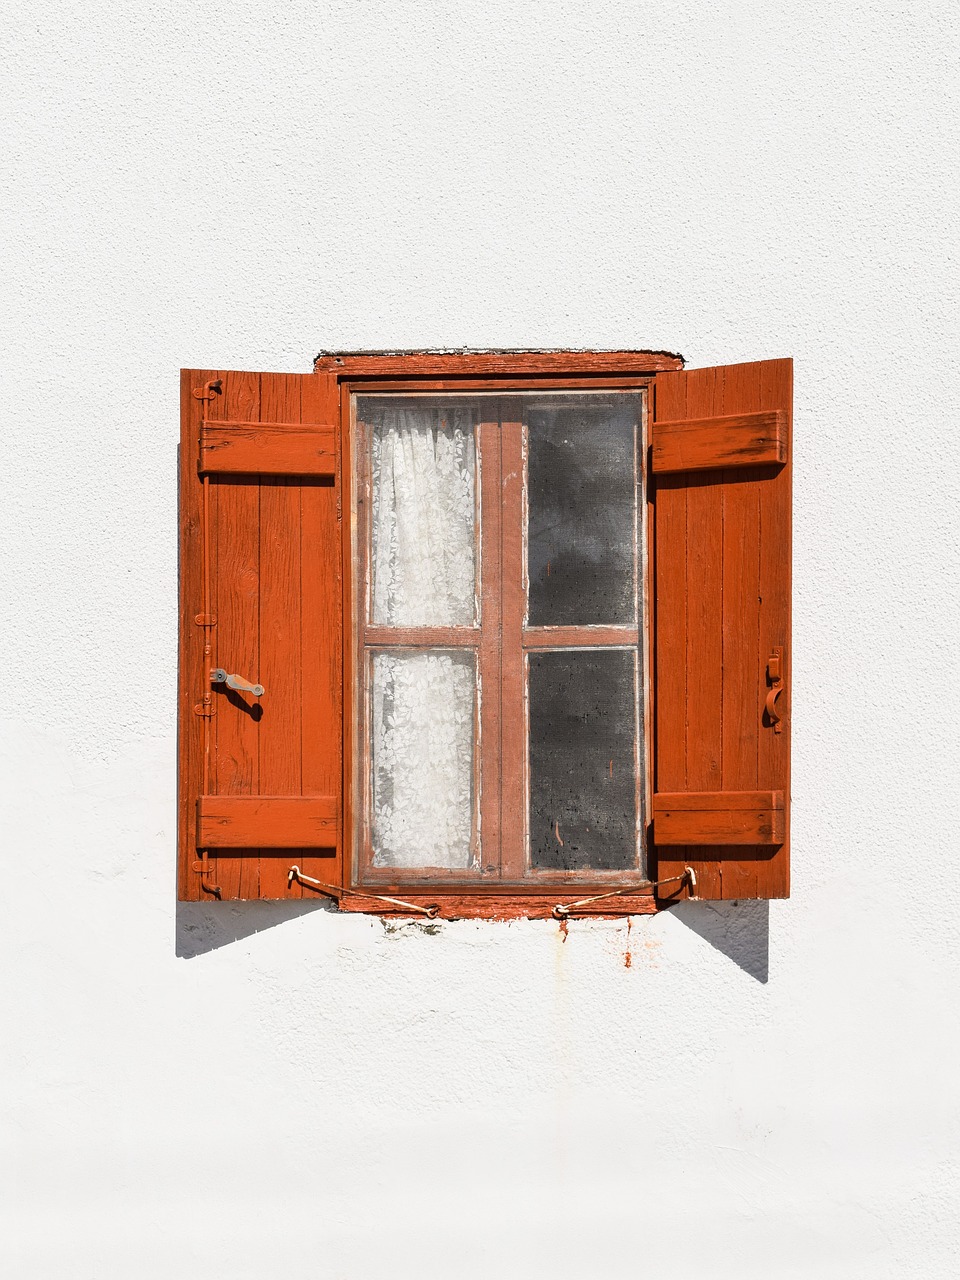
x: 513, y: 681
x: 489, y: 654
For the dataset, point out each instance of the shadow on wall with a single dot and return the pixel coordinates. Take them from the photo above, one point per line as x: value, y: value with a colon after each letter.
x: 206, y: 926
x: 740, y: 930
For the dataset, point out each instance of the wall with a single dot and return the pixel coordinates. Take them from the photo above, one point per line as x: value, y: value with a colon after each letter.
x: 248, y: 1092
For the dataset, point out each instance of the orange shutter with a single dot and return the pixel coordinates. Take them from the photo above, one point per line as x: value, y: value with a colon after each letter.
x: 261, y: 778
x: 721, y: 482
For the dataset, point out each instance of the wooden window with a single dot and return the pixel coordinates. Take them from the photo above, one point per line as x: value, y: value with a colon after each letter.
x: 521, y: 623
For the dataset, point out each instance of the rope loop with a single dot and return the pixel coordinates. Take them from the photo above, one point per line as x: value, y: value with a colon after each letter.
x: 562, y: 910
x: 338, y: 891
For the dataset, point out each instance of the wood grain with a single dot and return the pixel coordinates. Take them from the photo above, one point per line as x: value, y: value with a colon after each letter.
x: 269, y: 448
x: 473, y: 905
x: 275, y: 579
x: 719, y: 818
x: 580, y: 637
x: 275, y: 822
x: 439, y: 364
x: 191, y: 667
x: 236, y: 603
x: 513, y: 701
x: 709, y: 444
x: 722, y: 597
x: 321, y: 637
x: 281, y: 599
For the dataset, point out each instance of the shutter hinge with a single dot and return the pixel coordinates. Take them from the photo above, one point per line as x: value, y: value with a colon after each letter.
x: 209, y: 391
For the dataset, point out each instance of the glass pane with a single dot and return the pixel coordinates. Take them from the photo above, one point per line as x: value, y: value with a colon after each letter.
x: 424, y: 520
x: 583, y: 805
x: 424, y: 715
x: 582, y: 513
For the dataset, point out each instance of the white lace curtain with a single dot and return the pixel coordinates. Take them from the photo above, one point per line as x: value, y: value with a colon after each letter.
x: 423, y: 573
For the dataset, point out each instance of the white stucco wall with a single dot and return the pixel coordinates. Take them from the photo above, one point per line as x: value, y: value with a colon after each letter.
x: 252, y: 1092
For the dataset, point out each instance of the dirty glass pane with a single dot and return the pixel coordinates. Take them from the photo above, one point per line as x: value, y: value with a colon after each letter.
x: 424, y: 518
x: 582, y: 512
x: 582, y: 759
x: 424, y: 716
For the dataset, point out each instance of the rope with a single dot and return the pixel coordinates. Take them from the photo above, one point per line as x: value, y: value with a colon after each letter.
x: 563, y: 909
x: 337, y: 892
x: 560, y: 911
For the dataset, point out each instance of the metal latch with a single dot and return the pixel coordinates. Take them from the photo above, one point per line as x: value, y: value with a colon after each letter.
x: 219, y: 676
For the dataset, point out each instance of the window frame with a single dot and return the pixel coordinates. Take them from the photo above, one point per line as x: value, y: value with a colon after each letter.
x: 503, y: 374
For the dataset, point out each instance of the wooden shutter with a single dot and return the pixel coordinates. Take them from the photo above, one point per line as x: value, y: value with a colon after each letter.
x: 266, y: 540
x: 721, y: 484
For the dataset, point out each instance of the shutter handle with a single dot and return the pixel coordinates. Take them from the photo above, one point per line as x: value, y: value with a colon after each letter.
x: 219, y: 676
x: 775, y: 680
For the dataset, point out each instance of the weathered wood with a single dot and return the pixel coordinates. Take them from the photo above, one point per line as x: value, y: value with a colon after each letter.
x: 281, y: 598
x: 722, y: 600
x: 267, y: 448
x: 437, y: 364
x: 490, y: 652
x: 321, y: 634
x: 275, y: 585
x: 192, y: 636
x: 236, y: 603
x: 719, y: 818
x: 710, y: 444
x: 267, y: 822
x: 500, y: 906
x: 383, y: 637
x: 580, y: 637
x: 514, y: 753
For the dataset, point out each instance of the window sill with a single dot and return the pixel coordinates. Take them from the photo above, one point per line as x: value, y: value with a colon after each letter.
x: 502, y: 906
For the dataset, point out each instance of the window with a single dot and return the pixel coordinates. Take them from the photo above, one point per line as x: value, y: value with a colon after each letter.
x: 520, y: 622
x: 499, y: 612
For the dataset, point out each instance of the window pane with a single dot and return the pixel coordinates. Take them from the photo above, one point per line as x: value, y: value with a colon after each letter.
x: 582, y: 759
x: 423, y: 558
x: 424, y: 713
x: 582, y: 515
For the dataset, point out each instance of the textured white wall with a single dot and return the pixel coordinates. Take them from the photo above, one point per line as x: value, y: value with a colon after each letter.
x: 248, y: 1092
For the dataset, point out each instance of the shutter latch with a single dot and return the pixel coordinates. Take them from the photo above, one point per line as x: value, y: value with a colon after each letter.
x: 219, y: 676
x: 775, y: 681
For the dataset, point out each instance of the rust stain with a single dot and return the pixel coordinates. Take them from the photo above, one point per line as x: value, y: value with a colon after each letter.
x: 563, y: 927
x: 628, y: 954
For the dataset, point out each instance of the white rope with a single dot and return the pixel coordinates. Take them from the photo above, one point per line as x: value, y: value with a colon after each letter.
x: 337, y: 892
x: 562, y: 910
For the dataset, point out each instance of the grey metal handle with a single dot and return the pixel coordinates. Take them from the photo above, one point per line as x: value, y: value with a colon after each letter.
x: 219, y: 676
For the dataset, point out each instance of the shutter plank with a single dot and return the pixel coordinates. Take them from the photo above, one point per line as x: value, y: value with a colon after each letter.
x: 719, y: 818
x: 274, y: 822
x: 704, y: 601
x: 776, y: 560
x: 321, y: 725
x: 235, y: 535
x: 708, y: 444
x: 268, y: 448
x: 280, y: 611
x: 192, y: 666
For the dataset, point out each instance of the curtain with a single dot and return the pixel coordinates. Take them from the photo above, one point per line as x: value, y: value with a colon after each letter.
x: 423, y: 573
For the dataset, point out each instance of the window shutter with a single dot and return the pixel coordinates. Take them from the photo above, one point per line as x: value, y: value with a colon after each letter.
x: 260, y: 777
x: 721, y: 467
